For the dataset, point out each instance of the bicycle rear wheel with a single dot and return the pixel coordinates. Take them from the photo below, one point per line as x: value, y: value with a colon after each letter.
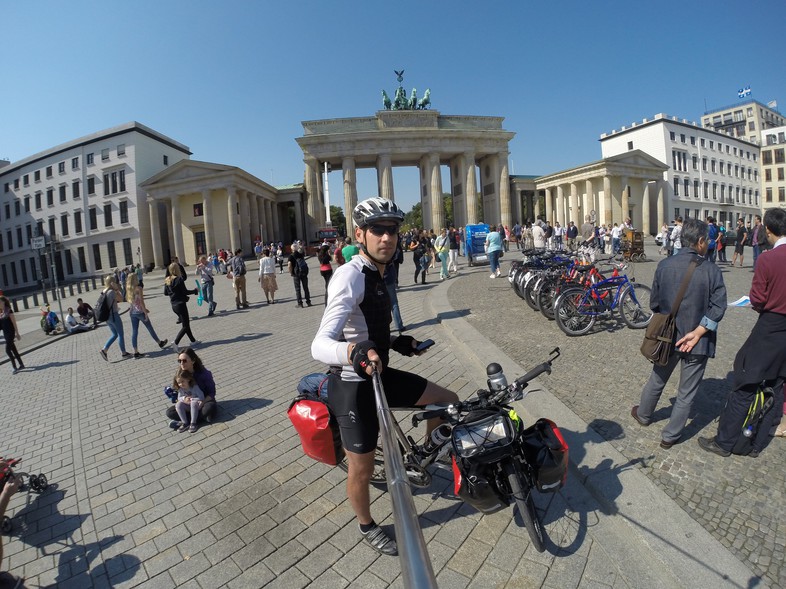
x: 529, y: 292
x: 546, y: 295
x: 572, y: 312
x: 634, y: 306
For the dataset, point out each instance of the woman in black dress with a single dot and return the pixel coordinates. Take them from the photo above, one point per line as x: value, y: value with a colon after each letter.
x: 11, y: 334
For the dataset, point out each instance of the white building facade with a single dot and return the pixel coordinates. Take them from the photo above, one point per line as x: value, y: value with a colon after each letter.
x: 709, y: 173
x: 85, y: 196
x: 744, y: 120
x: 773, y: 167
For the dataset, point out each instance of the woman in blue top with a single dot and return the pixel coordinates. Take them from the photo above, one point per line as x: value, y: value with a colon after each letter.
x: 494, y: 249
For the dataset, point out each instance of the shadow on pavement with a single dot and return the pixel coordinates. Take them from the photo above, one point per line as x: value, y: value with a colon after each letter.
x: 229, y: 409
x: 48, y: 365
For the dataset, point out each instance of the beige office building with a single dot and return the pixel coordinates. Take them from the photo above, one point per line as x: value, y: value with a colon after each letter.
x: 745, y: 120
x: 773, y: 167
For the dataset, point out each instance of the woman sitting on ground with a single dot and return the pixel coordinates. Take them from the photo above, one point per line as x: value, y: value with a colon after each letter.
x: 187, y: 359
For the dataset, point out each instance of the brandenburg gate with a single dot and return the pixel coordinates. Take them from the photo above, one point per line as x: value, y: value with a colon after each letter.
x: 408, y: 134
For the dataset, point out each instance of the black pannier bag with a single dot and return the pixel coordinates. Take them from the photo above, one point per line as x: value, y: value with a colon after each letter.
x: 547, y: 452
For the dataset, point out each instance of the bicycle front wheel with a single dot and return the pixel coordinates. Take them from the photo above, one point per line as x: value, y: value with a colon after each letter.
x: 546, y: 295
x: 635, y: 306
x: 522, y: 495
x: 572, y: 312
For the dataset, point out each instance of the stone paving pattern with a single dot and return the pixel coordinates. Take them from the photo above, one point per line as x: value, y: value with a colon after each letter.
x: 237, y: 504
x: 600, y: 375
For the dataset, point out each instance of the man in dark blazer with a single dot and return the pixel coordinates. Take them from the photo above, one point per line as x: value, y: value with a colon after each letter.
x: 697, y: 320
x: 762, y: 358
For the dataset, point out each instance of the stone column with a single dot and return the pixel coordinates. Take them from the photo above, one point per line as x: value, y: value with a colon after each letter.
x: 589, y: 202
x: 208, y: 216
x: 253, y: 202
x: 245, y: 222
x: 549, y: 205
x: 625, y: 200
x: 470, y: 189
x: 313, y: 205
x: 350, y: 189
x: 457, y: 174
x: 177, y: 230
x: 435, y: 188
x: 155, y: 231
x: 234, y: 229
x: 385, y: 176
x: 560, y: 206
x: 573, y: 215
x: 504, y: 191
x: 645, y: 208
x: 661, y: 203
x: 301, y: 230
x: 607, y: 201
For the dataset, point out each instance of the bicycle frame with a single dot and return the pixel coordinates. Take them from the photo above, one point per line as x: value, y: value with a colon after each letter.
x: 598, y: 293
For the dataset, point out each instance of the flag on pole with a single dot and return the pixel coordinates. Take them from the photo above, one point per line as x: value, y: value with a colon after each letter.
x: 772, y: 104
x: 743, y: 92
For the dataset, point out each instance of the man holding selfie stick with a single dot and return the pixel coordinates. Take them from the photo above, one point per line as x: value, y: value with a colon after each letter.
x: 353, y: 335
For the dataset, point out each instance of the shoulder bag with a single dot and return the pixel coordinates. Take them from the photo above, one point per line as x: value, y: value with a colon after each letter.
x: 659, y: 336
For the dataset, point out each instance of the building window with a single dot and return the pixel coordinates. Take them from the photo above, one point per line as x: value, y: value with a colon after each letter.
x: 91, y: 185
x: 781, y: 194
x: 751, y: 126
x: 82, y: 261
x: 696, y: 189
x: 93, y: 214
x: 692, y: 140
x: 721, y: 168
x: 707, y: 190
x: 17, y: 208
x: 61, y: 168
x: 97, y: 256
x: 198, y: 212
x: 166, y: 160
x: 114, y: 182
x: 737, y: 195
x: 74, y: 163
x: 682, y: 138
x: 16, y: 183
x: 768, y: 175
x: 686, y: 185
x: 78, y: 222
x: 780, y: 174
x: 702, y: 142
x: 49, y: 171
x: 50, y: 197
x: 7, y: 187
x: 128, y: 254
x: 37, y: 176
x: 27, y: 204
x: 714, y: 191
x: 704, y: 164
x: 123, y: 211
x: 672, y: 135
x: 104, y: 155
x: 121, y: 149
x: 19, y: 240
x: 75, y: 189
x: 676, y: 186
x: 695, y: 162
x: 108, y: 217
x: 712, y: 166
x: 89, y: 158
x: 779, y: 156
x: 768, y: 195
x: 110, y: 250
x: 63, y: 193
x: 64, y: 225
x: 712, y: 144
x: 630, y: 145
x: 52, y: 228
x: 26, y: 180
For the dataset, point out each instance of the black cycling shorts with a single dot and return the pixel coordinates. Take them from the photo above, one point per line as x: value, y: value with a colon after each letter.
x: 355, y: 409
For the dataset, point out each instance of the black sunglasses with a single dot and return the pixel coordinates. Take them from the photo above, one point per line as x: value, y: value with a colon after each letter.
x: 380, y: 230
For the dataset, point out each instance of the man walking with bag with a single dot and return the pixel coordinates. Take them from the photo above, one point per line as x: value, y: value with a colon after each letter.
x: 700, y: 311
x: 762, y: 358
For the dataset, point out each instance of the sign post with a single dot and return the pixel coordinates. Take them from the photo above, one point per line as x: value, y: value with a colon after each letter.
x: 39, y: 245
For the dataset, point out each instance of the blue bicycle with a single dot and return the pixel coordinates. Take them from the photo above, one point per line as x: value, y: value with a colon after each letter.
x: 577, y: 308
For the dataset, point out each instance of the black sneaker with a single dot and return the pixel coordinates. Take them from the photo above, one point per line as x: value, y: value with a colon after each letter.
x: 380, y: 541
x: 162, y: 343
x: 710, y: 445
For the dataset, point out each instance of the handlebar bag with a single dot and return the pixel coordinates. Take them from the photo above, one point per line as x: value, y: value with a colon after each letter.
x: 547, y: 451
x: 314, y: 423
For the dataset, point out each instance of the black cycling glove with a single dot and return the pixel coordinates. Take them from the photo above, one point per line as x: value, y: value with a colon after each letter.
x: 359, y: 357
x: 403, y: 345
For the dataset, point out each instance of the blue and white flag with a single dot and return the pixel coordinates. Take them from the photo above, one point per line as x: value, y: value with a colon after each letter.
x: 743, y: 92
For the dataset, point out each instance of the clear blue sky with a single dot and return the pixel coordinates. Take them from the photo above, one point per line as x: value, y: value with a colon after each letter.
x: 233, y: 79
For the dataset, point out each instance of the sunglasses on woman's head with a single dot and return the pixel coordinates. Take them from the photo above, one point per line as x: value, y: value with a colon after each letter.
x: 380, y: 230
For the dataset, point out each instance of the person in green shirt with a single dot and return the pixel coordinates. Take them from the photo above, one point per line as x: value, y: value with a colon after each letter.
x: 349, y: 250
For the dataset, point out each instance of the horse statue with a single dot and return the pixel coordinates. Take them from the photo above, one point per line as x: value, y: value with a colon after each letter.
x: 412, y: 104
x: 425, y: 102
x: 400, y: 101
x: 386, y: 101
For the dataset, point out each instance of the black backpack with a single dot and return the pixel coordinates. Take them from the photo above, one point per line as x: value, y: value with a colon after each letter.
x: 103, y: 308
x: 301, y: 266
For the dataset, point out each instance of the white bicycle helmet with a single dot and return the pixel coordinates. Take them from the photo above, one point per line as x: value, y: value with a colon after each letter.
x: 376, y: 209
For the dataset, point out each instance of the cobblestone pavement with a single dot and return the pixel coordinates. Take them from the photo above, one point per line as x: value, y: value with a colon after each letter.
x: 237, y: 504
x: 739, y: 500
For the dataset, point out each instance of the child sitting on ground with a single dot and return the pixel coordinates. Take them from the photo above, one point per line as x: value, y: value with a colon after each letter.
x: 188, y: 395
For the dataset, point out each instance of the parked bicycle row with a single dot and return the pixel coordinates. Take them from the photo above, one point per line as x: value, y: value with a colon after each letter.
x: 578, y: 290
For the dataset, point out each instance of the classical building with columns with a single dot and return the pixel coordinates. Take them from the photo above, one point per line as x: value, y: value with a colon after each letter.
x: 608, y: 191
x: 197, y: 208
x: 710, y: 173
x: 474, y: 147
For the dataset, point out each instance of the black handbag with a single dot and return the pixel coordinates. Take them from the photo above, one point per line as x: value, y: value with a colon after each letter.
x: 659, y: 336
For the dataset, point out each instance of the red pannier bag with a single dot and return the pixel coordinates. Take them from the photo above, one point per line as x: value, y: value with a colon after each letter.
x: 314, y: 423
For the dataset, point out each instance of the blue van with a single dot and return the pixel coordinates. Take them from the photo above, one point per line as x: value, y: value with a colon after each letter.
x: 475, y: 242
